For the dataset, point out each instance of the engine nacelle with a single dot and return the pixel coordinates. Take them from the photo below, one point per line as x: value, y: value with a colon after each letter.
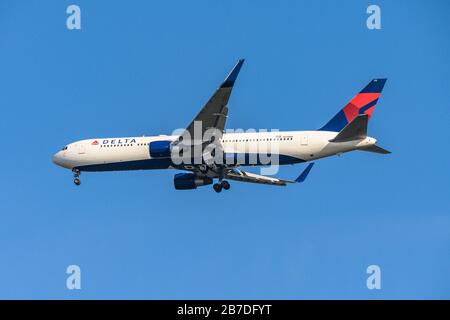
x: 160, y: 149
x: 186, y: 181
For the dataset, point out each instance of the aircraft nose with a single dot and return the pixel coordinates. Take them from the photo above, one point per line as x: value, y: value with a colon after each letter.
x: 57, y: 158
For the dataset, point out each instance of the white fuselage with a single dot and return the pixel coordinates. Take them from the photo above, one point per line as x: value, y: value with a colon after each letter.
x: 132, y: 153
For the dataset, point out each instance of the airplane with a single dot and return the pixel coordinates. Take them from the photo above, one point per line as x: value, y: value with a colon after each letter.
x: 220, y: 156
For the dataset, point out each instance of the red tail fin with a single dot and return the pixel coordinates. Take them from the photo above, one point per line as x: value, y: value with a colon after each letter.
x: 363, y: 103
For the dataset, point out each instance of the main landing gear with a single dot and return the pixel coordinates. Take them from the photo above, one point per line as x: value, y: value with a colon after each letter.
x: 76, y: 177
x: 221, y: 185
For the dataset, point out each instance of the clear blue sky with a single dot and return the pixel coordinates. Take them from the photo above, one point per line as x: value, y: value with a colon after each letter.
x: 145, y: 68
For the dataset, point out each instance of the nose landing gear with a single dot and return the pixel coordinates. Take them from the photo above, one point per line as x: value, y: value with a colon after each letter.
x: 76, y: 177
x: 221, y: 185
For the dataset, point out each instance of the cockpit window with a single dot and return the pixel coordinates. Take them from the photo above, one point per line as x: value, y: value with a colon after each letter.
x: 64, y: 148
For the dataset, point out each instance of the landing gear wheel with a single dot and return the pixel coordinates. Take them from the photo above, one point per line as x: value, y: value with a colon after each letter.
x: 225, y: 185
x: 76, y: 176
x: 217, y: 187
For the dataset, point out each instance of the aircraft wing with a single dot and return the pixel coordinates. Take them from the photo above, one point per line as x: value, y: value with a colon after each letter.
x: 243, y: 176
x: 215, y: 111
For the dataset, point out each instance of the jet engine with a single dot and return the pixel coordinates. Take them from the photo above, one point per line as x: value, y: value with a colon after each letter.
x: 186, y: 181
x: 160, y: 149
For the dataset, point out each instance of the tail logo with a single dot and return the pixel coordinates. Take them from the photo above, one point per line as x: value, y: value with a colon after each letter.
x: 363, y: 103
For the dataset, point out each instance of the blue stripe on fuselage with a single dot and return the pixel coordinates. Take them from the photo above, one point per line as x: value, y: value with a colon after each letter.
x: 147, y: 164
x: 244, y: 159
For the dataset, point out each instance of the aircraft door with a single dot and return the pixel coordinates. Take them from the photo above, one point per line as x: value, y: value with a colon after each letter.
x: 304, y: 140
x: 81, y: 149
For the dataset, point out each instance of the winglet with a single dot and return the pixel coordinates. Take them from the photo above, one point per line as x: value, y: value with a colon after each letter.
x: 304, y: 174
x: 232, y: 76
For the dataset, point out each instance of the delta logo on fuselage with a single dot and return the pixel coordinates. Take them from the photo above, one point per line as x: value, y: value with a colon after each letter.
x: 115, y: 141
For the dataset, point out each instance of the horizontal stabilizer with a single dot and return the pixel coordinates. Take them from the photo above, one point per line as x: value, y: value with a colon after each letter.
x: 355, y: 130
x: 375, y: 149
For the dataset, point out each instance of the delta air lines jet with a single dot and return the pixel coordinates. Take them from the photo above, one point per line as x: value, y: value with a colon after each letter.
x: 206, y: 152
